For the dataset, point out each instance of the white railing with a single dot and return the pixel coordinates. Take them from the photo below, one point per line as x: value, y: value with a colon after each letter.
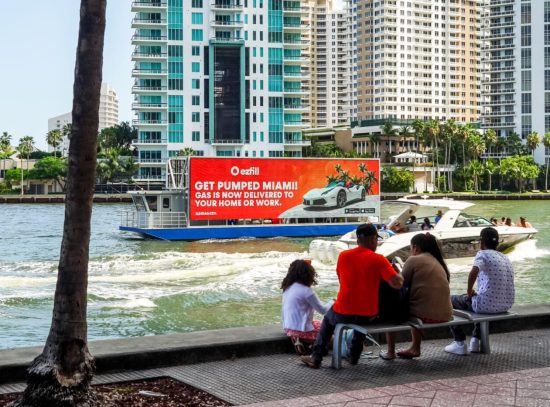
x: 154, y: 220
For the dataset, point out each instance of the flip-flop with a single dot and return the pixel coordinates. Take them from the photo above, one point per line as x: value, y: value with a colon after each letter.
x: 407, y: 355
x: 385, y: 355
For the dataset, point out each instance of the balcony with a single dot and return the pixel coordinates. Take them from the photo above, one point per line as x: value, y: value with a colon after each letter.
x: 292, y: 43
x: 151, y: 161
x: 293, y: 125
x: 226, y: 6
x: 139, y: 38
x: 144, y: 5
x: 147, y: 89
x: 294, y: 60
x: 149, y: 141
x: 147, y: 178
x: 294, y: 108
x: 296, y: 143
x: 139, y: 55
x: 224, y: 142
x: 226, y: 40
x: 294, y: 91
x: 149, y: 106
x: 295, y: 76
x: 149, y: 72
x: 143, y: 122
x: 147, y: 22
x: 227, y: 24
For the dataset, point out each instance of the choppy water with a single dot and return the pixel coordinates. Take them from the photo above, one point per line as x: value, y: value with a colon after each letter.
x: 141, y: 287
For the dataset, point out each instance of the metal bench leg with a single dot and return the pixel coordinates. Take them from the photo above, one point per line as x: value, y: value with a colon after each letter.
x: 337, y: 346
x: 484, y: 329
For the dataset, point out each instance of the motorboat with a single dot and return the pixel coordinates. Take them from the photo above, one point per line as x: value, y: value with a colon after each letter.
x: 457, y: 231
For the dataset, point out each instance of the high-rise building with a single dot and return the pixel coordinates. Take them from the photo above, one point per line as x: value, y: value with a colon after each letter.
x: 419, y: 59
x: 108, y: 116
x: 331, y: 51
x: 519, y: 30
x: 220, y: 77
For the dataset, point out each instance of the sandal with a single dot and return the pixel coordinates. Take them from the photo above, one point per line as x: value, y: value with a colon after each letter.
x: 385, y: 355
x: 407, y: 354
x: 301, y: 349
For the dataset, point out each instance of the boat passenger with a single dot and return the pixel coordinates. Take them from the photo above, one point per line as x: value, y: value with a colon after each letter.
x: 398, y: 228
x: 502, y: 221
x: 413, y: 226
x: 438, y: 215
x: 427, y: 278
x: 494, y: 221
x: 509, y: 222
x: 523, y: 222
x: 426, y: 225
x: 299, y: 304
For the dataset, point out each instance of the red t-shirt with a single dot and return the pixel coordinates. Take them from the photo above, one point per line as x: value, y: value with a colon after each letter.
x: 360, y: 271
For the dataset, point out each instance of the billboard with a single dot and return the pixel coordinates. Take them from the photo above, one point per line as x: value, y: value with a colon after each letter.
x: 283, y: 188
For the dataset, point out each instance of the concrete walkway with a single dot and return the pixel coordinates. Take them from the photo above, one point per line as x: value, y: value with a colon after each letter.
x: 517, y: 372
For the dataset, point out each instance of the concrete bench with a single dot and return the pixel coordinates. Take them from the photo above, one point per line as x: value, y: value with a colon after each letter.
x: 459, y: 318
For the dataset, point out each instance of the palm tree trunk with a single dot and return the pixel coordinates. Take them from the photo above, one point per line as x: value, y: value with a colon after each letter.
x: 546, y: 178
x: 64, y: 369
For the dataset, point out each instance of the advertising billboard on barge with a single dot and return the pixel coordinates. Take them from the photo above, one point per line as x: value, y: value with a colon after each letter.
x: 283, y: 188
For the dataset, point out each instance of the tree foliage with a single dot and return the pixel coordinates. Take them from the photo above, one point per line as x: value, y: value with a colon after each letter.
x: 118, y: 137
x: 396, y: 180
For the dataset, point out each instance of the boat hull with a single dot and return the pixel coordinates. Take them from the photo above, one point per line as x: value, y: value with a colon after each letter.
x: 237, y: 231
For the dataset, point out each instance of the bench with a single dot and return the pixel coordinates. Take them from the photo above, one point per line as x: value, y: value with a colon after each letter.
x: 459, y: 318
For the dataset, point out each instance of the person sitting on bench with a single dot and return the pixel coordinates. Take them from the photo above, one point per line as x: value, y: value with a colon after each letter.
x: 494, y: 273
x: 427, y: 278
x: 299, y: 303
x: 360, y: 271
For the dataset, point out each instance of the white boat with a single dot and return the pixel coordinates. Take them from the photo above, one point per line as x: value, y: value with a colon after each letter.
x: 457, y: 231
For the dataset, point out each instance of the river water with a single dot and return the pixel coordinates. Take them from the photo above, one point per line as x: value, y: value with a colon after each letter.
x: 142, y: 287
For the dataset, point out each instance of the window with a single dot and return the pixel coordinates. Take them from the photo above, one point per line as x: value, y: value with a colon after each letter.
x: 526, y: 81
x: 175, y: 34
x: 525, y: 103
x: 196, y: 136
x: 175, y: 84
x: 526, y: 13
x: 195, y: 67
x: 195, y: 117
x: 526, y: 36
x: 196, y: 3
x: 175, y: 51
x: 196, y: 18
x: 195, y: 100
x: 195, y: 83
x: 196, y: 35
x: 195, y: 51
x: 526, y: 58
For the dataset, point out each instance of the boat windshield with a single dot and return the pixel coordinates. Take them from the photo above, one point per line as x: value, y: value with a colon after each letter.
x: 466, y: 221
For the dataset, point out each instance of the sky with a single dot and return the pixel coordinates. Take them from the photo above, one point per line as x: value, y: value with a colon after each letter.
x: 37, y: 62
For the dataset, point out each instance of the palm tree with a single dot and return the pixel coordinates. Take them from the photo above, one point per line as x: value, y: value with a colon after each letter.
x: 418, y: 129
x: 490, y: 169
x: 388, y: 131
x: 546, y: 142
x: 405, y: 133
x: 463, y: 134
x: 475, y: 169
x: 533, y: 141
x: 54, y: 138
x: 5, y: 150
x: 433, y: 129
x: 490, y: 138
x: 25, y: 148
x: 64, y: 369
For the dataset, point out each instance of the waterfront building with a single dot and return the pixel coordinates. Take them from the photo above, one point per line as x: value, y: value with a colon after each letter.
x: 519, y: 30
x: 418, y: 59
x: 331, y: 50
x: 220, y: 77
x: 108, y: 116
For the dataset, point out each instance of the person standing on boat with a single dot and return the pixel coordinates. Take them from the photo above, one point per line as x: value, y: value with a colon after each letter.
x: 360, y: 271
x: 299, y: 304
x: 438, y: 216
x: 494, y: 273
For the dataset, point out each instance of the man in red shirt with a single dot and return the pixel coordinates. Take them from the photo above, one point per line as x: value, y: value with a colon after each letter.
x: 360, y: 272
